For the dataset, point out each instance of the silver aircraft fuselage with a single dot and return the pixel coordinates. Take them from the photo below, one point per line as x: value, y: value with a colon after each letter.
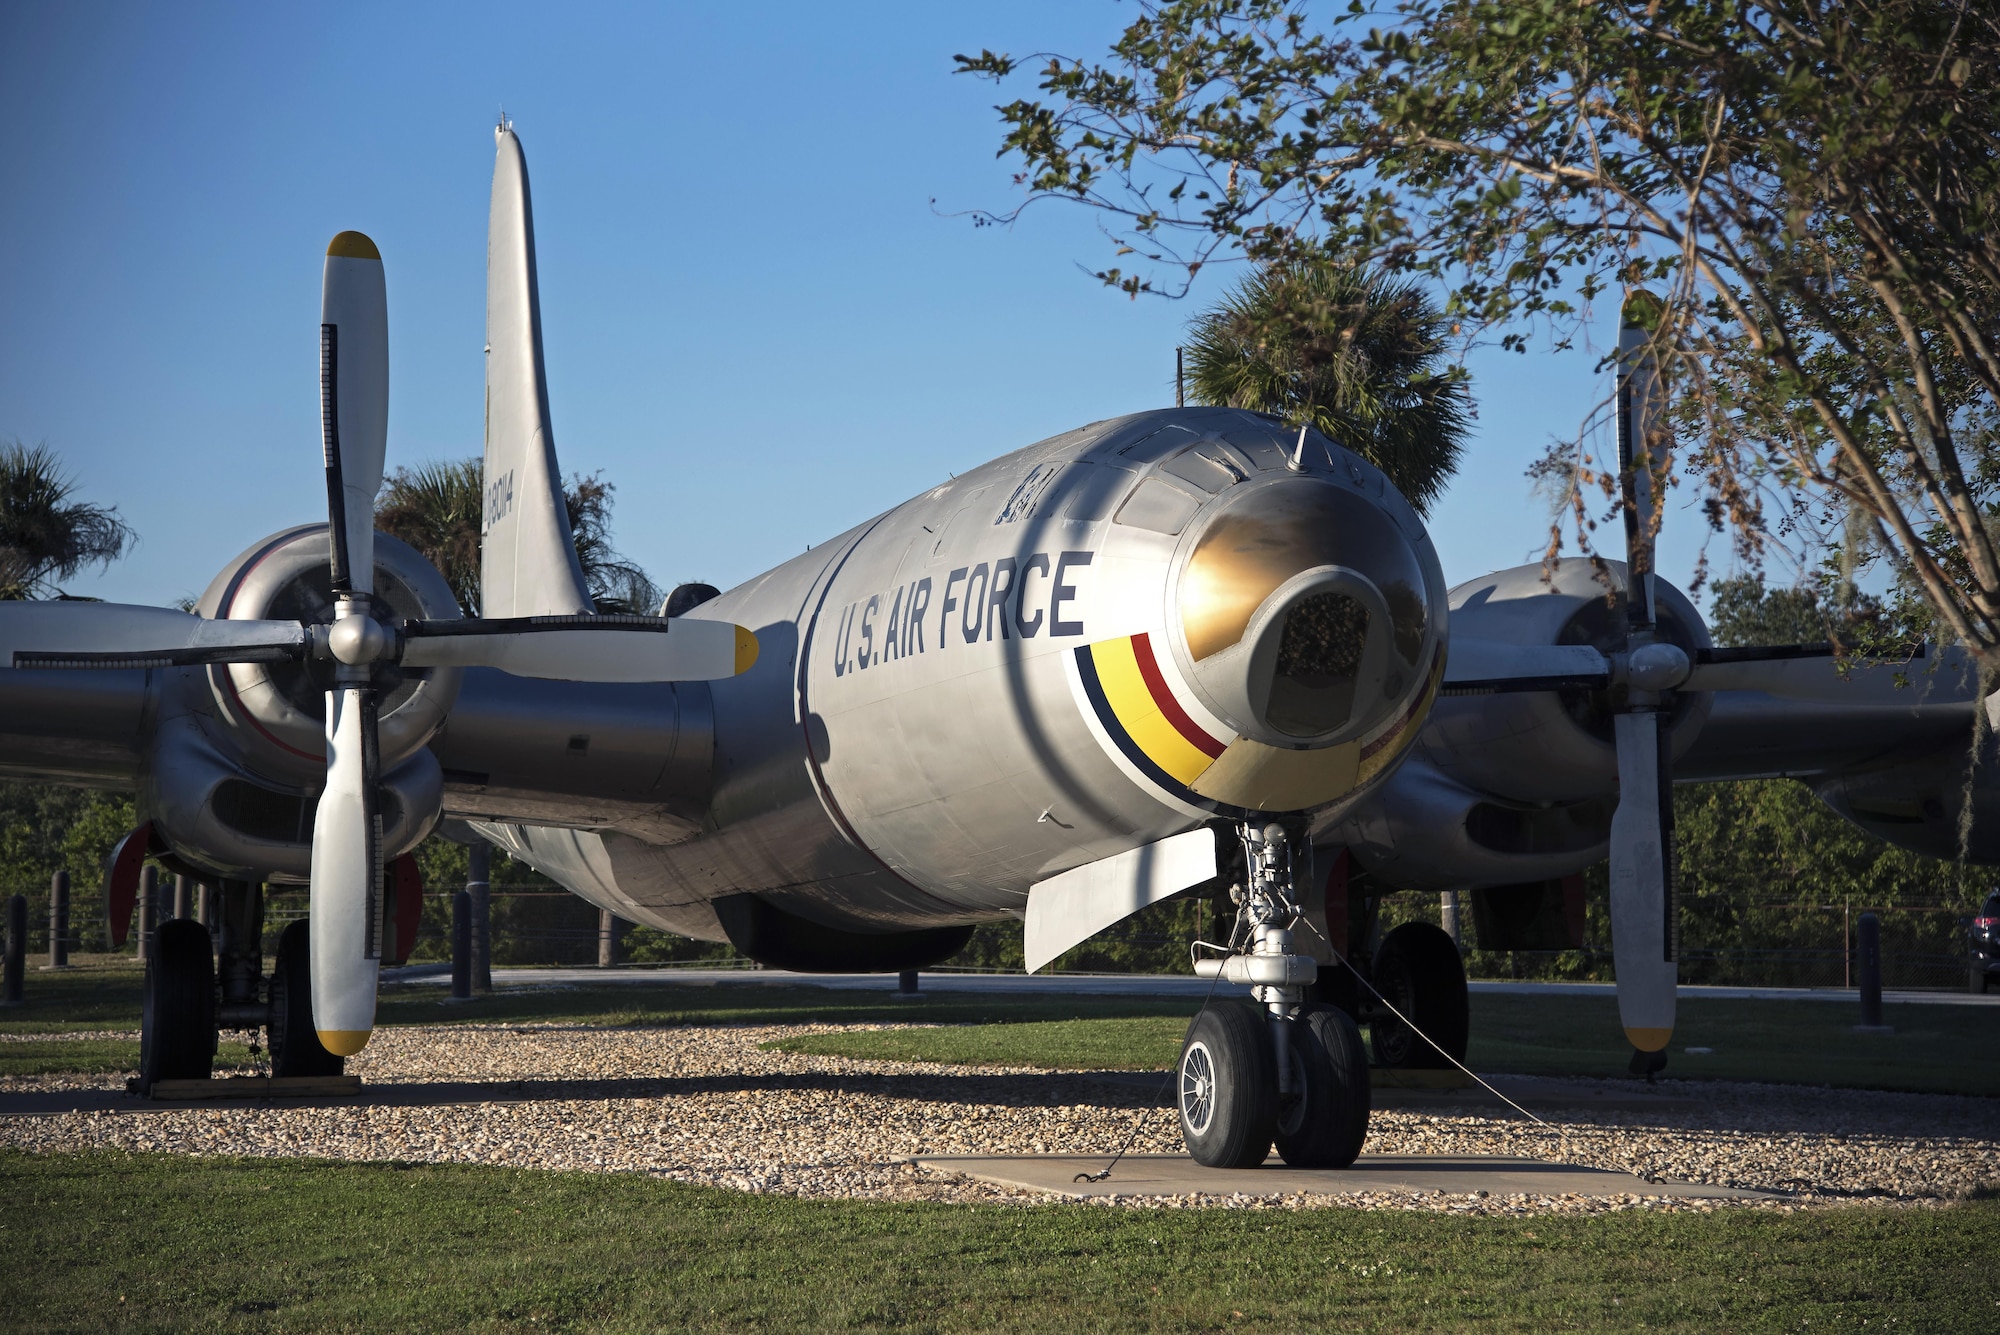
x: 1048, y: 660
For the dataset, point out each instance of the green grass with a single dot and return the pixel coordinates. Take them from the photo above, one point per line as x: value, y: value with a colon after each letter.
x: 102, y: 992
x: 94, y: 1055
x: 1133, y: 1043
x: 1934, y: 1049
x: 753, y: 1003
x: 1944, y: 1049
x: 127, y: 1242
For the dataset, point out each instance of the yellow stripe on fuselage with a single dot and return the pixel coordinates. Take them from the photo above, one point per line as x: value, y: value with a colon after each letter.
x: 1125, y: 691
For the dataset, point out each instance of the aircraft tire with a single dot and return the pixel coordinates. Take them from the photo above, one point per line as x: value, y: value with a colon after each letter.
x: 177, y: 1033
x: 1418, y: 969
x: 1325, y: 1125
x: 295, y: 1045
x: 1226, y: 1087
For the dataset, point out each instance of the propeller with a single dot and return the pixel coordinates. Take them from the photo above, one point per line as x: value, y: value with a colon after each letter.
x: 347, y: 898
x: 1644, y: 938
x: 1649, y: 669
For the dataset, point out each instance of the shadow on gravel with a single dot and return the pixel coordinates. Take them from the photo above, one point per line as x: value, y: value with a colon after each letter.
x: 1050, y: 1089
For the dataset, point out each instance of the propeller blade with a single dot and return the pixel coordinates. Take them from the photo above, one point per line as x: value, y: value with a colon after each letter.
x: 346, y: 893
x: 586, y: 648
x: 1486, y: 667
x: 1808, y: 672
x: 1642, y: 882
x: 354, y: 402
x: 122, y: 635
x: 1639, y: 405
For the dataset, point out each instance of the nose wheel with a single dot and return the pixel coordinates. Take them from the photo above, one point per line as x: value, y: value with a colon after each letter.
x: 1282, y: 1071
x: 1232, y: 1111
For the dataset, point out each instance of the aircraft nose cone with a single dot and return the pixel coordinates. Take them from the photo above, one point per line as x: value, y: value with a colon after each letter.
x: 1306, y: 614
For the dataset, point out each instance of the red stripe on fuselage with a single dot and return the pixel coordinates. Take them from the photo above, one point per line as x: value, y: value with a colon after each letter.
x: 1149, y: 670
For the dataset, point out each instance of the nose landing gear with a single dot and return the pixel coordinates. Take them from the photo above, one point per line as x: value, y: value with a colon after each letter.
x: 1281, y: 1071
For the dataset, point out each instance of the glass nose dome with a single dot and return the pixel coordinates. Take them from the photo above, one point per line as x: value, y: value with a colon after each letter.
x: 1357, y: 582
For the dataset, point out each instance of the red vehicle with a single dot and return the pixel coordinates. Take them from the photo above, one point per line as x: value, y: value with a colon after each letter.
x: 1983, y: 933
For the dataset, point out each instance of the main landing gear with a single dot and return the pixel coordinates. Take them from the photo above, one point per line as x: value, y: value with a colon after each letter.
x: 1282, y: 1071
x: 197, y: 986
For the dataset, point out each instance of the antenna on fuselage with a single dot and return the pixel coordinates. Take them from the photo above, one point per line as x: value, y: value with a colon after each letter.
x: 1297, y: 463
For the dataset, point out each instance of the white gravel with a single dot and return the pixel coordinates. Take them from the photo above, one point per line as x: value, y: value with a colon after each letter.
x: 707, y: 1105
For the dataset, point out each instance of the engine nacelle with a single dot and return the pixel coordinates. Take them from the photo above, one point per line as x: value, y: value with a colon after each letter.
x: 1426, y: 831
x: 237, y: 823
x: 1539, y: 747
x: 275, y: 713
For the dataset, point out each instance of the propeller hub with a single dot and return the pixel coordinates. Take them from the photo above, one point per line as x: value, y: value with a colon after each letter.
x: 1659, y: 666
x: 358, y: 640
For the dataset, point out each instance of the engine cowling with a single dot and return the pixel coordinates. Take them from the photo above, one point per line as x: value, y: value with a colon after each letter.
x: 275, y: 713
x: 238, y: 756
x: 1540, y: 747
x: 1510, y: 788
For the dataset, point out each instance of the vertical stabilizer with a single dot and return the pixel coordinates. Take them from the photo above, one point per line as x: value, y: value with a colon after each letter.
x: 528, y: 564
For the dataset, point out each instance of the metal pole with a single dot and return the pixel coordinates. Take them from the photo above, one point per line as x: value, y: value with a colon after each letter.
x: 149, y: 910
x: 59, y: 920
x: 1870, y: 950
x: 480, y: 860
x: 1846, y: 944
x: 17, y: 950
x: 607, y: 939
x: 461, y: 946
x: 1180, y: 379
x: 183, y: 897
x: 1448, y: 917
x: 204, y: 909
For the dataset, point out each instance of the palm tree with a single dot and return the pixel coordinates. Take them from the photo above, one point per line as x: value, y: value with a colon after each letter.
x: 438, y: 508
x: 44, y: 535
x: 1355, y: 353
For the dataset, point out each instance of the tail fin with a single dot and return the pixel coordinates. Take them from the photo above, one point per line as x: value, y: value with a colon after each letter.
x: 528, y: 564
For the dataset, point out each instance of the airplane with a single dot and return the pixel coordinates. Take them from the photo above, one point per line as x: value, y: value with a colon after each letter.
x: 1168, y: 652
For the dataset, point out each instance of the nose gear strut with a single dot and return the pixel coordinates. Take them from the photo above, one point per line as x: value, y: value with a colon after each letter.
x: 1286, y: 1069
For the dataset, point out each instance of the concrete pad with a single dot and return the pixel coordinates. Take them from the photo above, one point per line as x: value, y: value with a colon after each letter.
x: 1414, y: 1174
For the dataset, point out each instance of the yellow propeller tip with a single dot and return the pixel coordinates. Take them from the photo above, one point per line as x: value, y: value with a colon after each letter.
x: 353, y: 246
x: 1649, y: 1040
x: 746, y: 649
x: 344, y: 1042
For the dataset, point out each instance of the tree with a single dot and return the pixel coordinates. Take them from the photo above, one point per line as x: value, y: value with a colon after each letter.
x: 46, y: 536
x: 1352, y: 352
x: 438, y: 508
x: 616, y: 584
x: 1811, y: 186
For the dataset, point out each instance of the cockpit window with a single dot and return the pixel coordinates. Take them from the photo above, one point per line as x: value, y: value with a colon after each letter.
x: 1277, y: 532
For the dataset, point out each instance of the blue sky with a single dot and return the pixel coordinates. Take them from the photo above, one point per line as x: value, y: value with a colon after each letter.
x: 758, y: 324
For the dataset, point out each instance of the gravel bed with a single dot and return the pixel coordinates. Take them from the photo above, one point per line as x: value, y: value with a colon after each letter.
x: 707, y: 1105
